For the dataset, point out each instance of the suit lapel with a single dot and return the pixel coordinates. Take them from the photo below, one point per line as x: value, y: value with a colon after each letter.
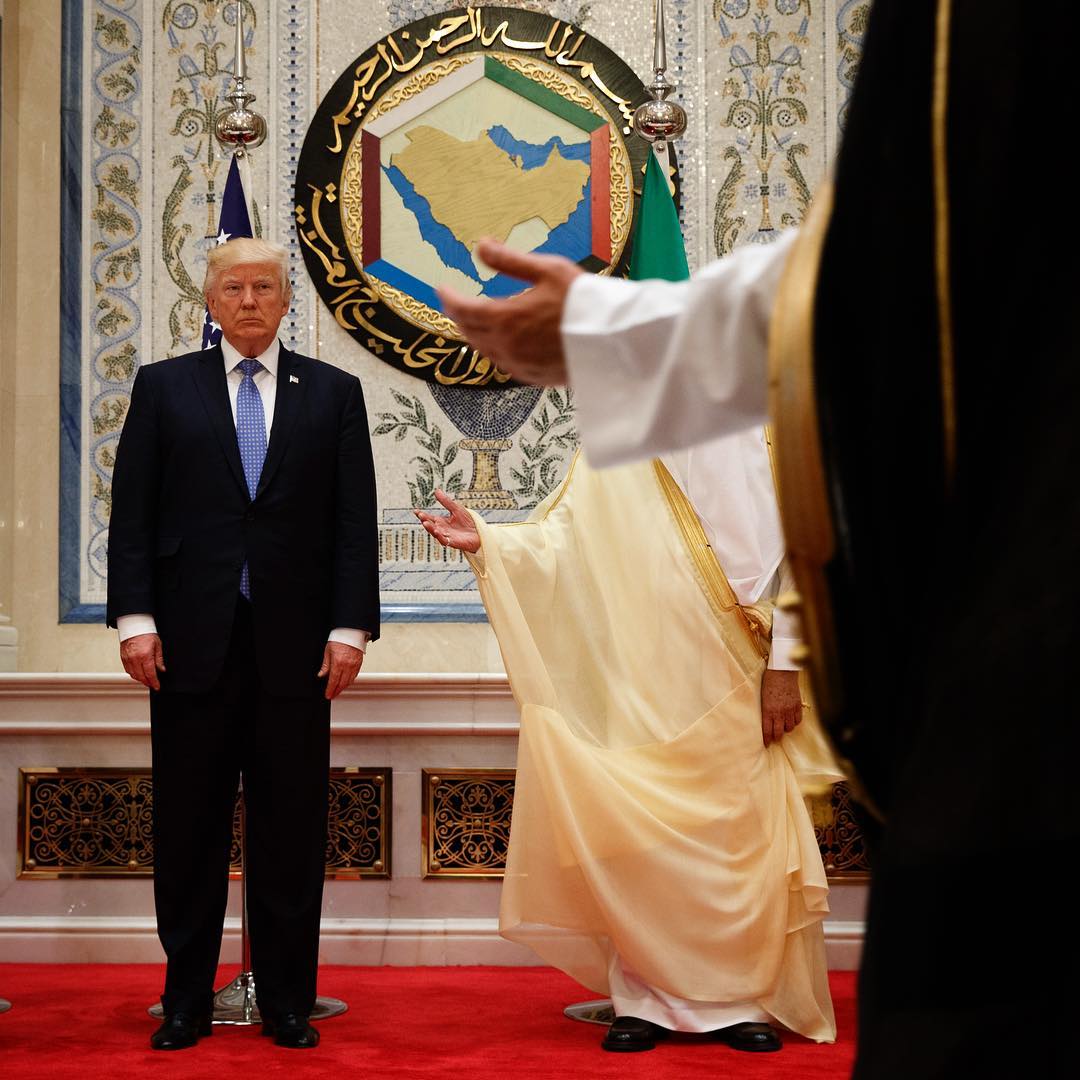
x: 291, y: 387
x: 210, y: 382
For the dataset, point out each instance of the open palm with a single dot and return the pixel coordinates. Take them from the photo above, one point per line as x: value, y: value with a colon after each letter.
x: 455, y: 530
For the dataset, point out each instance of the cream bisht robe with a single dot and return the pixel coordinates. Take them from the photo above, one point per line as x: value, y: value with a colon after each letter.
x: 650, y: 823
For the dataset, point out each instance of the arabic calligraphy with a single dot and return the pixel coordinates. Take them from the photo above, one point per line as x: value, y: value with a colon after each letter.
x: 449, y: 362
x: 390, y: 58
x: 394, y: 325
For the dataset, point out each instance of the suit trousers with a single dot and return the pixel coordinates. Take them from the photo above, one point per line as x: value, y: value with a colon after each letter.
x: 202, y: 745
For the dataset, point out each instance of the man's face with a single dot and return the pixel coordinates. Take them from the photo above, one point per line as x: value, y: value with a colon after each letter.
x: 248, y: 303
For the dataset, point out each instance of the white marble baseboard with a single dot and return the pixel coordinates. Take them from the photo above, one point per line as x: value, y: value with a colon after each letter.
x: 405, y: 723
x: 363, y: 942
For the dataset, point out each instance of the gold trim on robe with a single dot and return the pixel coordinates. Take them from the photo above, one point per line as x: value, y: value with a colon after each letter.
x: 796, y: 444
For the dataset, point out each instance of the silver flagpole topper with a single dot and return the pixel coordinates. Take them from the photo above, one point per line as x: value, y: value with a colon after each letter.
x: 239, y: 129
x: 658, y: 121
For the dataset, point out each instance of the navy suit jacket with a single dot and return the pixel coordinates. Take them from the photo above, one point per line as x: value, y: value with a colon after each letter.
x: 182, y: 521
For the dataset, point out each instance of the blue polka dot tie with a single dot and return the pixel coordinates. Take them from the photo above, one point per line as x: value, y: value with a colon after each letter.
x: 251, y: 435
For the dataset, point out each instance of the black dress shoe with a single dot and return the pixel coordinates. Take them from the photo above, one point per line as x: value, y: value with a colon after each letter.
x: 293, y: 1030
x: 759, y: 1038
x: 628, y: 1034
x: 180, y: 1031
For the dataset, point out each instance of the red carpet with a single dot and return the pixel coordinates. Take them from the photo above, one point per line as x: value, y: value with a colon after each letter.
x: 483, y: 1023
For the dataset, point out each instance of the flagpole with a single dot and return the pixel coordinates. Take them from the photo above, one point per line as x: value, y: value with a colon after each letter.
x: 658, y: 121
x: 239, y: 130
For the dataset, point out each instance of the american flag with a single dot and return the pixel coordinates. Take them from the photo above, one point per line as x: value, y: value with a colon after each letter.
x: 234, y: 221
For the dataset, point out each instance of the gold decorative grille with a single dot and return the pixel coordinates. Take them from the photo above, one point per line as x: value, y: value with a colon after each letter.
x: 358, y: 840
x: 466, y: 821
x: 466, y: 825
x: 843, y: 849
x: 83, y: 822
x: 86, y: 822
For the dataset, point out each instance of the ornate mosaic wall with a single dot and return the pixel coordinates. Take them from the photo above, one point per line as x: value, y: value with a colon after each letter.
x: 98, y: 823
x: 765, y: 83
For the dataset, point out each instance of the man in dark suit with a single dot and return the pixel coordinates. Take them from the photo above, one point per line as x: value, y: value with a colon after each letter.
x: 243, y: 578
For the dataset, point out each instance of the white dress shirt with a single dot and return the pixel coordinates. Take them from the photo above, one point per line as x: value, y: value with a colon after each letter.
x: 729, y: 482
x: 658, y: 366
x: 266, y: 383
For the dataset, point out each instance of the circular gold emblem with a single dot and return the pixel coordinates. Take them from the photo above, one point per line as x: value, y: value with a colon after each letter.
x: 482, y: 122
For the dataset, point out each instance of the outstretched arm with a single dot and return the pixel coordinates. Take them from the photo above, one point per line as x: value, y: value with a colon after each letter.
x: 655, y: 365
x: 456, y: 529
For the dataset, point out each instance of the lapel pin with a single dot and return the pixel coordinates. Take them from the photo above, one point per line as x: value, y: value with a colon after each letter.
x: 294, y: 378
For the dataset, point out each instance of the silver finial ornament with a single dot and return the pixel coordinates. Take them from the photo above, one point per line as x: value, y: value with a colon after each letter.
x: 659, y: 120
x: 239, y: 129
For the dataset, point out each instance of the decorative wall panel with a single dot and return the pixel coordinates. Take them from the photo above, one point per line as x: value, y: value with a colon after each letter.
x: 763, y: 81
x: 98, y: 823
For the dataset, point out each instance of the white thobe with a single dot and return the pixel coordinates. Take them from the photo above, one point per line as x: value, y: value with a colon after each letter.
x: 729, y: 482
x: 658, y: 366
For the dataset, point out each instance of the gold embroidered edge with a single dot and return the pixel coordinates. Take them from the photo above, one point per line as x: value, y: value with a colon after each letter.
x: 709, y: 572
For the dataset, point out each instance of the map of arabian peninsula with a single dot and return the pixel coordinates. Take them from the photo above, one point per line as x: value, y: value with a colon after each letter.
x: 461, y: 191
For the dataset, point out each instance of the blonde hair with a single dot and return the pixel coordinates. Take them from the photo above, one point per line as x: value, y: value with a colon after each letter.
x: 245, y: 249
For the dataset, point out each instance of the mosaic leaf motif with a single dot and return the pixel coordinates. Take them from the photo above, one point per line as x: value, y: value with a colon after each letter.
x: 200, y: 44
x: 765, y: 95
x: 113, y: 236
x: 546, y: 445
x: 544, y: 457
x: 851, y: 20
x: 433, y: 463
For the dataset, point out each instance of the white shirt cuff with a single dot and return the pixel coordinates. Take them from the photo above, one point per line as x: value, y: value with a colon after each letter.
x: 345, y: 635
x: 129, y: 626
x: 780, y: 656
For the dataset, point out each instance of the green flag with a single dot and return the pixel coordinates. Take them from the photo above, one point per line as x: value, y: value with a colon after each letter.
x: 658, y: 244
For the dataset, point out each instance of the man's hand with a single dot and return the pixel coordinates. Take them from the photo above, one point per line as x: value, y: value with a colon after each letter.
x: 142, y: 659
x: 781, y: 704
x: 455, y: 530
x: 520, y: 335
x: 341, y: 663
